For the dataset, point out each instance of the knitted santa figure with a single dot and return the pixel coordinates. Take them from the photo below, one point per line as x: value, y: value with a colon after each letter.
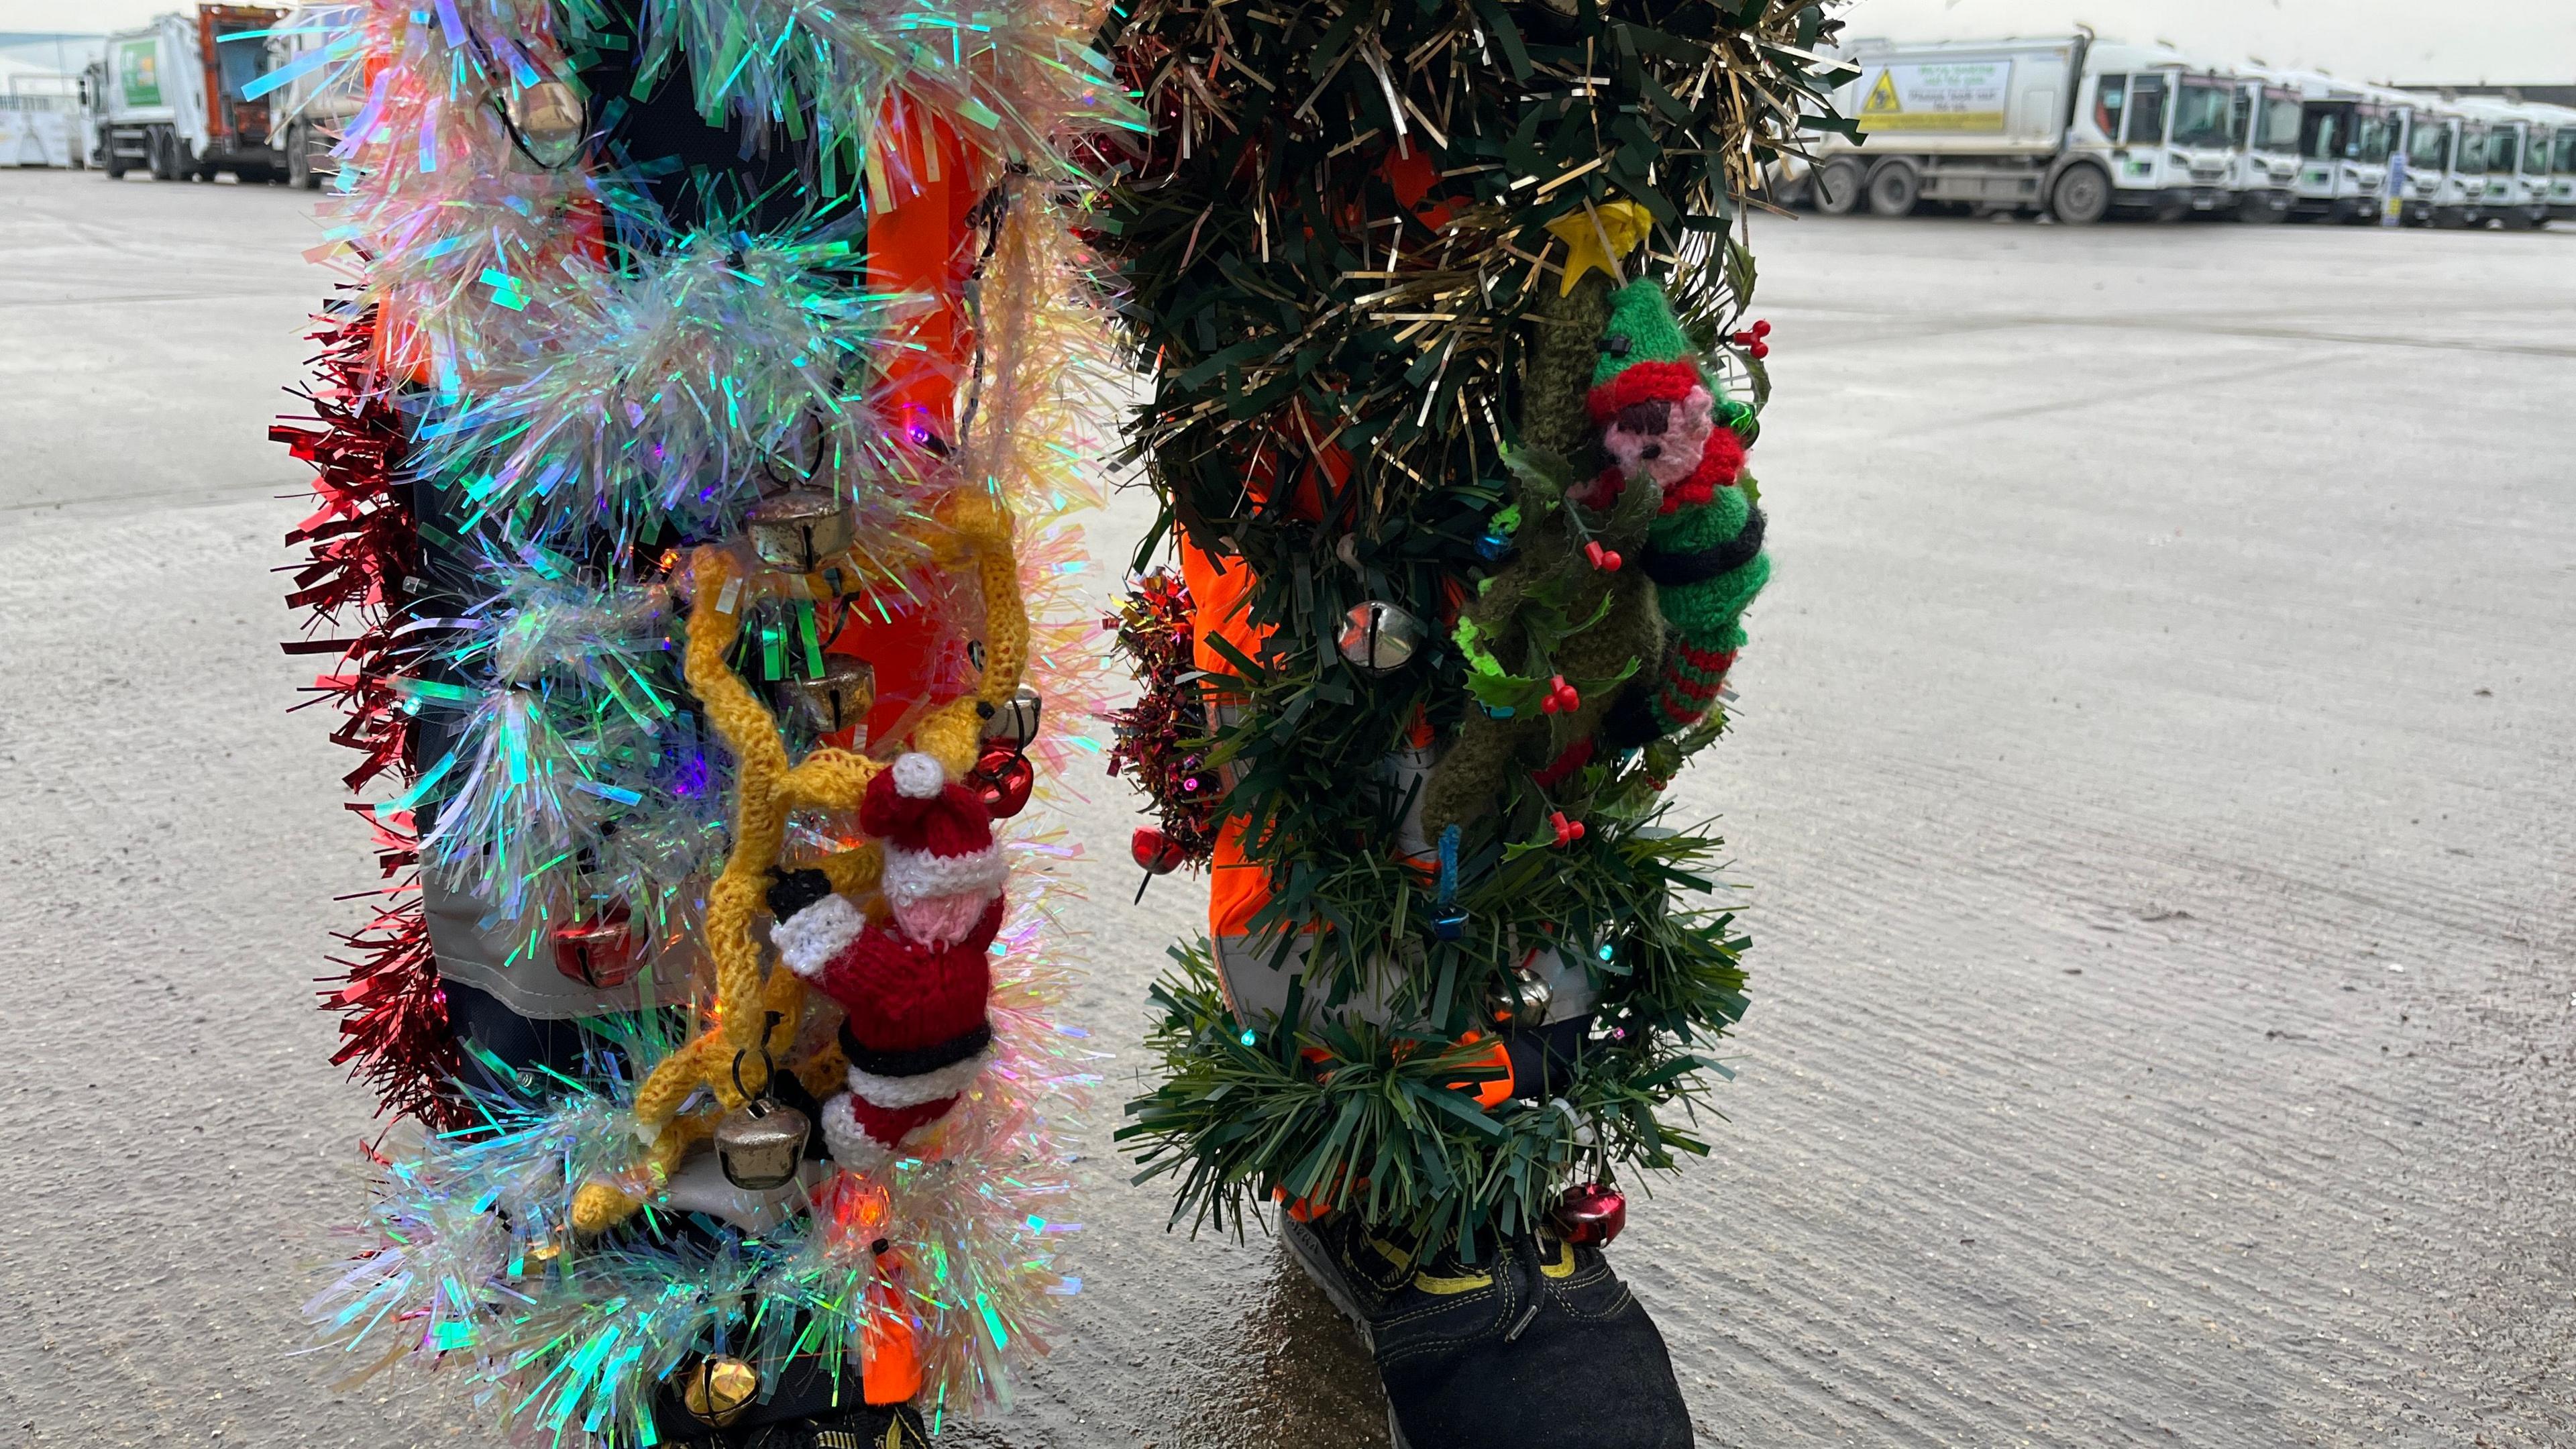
x: 912, y: 989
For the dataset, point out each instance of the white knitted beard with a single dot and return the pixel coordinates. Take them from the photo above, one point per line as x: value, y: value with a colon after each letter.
x: 938, y: 898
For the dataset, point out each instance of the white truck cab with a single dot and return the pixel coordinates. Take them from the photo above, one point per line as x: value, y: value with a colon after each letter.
x: 2515, y: 188
x: 2160, y: 128
x: 2266, y: 163
x: 2346, y: 133
x: 2438, y: 193
x: 2562, y: 161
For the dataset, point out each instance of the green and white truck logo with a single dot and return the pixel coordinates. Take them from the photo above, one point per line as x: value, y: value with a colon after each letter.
x: 138, y: 71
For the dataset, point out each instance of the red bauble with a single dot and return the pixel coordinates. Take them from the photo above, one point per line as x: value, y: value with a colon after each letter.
x: 1156, y: 851
x: 1004, y: 778
x: 603, y: 952
x: 1592, y: 1213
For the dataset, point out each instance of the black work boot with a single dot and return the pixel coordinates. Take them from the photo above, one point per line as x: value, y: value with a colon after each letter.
x: 1539, y: 1346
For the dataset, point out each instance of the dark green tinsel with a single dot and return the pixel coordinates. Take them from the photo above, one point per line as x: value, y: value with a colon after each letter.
x: 1306, y: 310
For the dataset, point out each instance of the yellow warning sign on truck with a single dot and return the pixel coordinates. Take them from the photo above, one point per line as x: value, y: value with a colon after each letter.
x: 1965, y: 95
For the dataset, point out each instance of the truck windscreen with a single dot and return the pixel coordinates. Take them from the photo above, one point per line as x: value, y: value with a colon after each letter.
x: 2473, y: 152
x: 2372, y: 137
x: 2280, y: 123
x: 2563, y: 161
x: 2504, y: 150
x: 2202, y: 112
x: 2432, y: 140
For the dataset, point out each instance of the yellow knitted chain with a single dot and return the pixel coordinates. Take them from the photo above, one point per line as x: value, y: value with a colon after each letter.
x: 971, y: 528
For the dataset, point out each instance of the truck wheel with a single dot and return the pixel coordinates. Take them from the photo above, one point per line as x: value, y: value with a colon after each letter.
x: 2081, y: 196
x: 1893, y: 189
x: 1838, y: 186
x: 165, y: 160
x: 111, y: 160
x: 299, y: 159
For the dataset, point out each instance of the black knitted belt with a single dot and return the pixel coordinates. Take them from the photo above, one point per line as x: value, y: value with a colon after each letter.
x: 918, y: 1061
x: 1674, y: 570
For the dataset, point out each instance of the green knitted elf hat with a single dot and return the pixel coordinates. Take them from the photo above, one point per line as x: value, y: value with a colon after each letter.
x: 1641, y: 328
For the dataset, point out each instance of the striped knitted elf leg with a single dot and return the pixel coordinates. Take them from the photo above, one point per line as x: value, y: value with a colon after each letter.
x: 1707, y: 563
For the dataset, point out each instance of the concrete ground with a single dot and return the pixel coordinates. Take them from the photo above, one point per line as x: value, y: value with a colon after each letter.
x: 2153, y: 788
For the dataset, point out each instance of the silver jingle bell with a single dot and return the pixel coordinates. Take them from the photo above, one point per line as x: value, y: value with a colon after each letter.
x: 549, y: 122
x: 760, y: 1144
x: 1015, y: 720
x: 1380, y: 637
x: 799, y: 529
x: 1521, y: 1000
x: 840, y: 699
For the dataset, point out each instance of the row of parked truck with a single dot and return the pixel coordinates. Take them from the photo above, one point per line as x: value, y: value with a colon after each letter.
x: 2073, y: 126
x: 2082, y: 129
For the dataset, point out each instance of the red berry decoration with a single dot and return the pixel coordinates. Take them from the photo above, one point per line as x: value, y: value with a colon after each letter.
x: 1761, y: 328
x: 1605, y: 559
x: 1567, y: 831
x: 1155, y: 851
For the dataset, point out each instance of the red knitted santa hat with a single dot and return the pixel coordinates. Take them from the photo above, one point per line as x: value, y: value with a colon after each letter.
x: 941, y: 864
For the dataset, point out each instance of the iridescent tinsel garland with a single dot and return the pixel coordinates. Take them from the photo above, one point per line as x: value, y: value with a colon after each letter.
x: 582, y: 389
x: 467, y: 1262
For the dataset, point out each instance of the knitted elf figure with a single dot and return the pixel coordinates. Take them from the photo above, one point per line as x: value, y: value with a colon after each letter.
x: 1575, y: 651
x: 1664, y: 422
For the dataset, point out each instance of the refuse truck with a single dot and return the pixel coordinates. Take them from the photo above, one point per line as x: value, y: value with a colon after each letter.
x: 168, y: 97
x: 2265, y: 173
x: 316, y: 92
x: 2078, y: 126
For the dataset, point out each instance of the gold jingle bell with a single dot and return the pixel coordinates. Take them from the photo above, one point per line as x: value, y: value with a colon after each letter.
x: 1380, y: 637
x: 718, y: 1388
x: 760, y: 1144
x: 1015, y: 720
x: 840, y: 699
x: 549, y: 122
x: 1521, y: 1000
x: 798, y: 529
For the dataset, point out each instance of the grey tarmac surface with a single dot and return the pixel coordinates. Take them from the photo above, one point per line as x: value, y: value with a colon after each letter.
x: 2152, y: 795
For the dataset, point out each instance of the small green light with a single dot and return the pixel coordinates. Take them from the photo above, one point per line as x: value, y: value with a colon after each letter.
x: 1248, y: 1037
x: 1607, y: 951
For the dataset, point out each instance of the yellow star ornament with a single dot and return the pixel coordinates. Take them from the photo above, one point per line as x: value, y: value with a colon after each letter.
x: 1597, y: 236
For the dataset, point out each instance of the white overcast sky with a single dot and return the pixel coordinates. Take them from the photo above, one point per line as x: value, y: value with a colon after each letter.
x: 2457, y: 41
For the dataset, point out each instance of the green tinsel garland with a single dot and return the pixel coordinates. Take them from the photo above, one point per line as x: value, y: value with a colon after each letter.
x: 1339, y: 252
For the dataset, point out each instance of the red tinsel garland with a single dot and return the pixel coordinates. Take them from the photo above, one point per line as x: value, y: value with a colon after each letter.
x: 362, y: 553
x: 1161, y: 734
